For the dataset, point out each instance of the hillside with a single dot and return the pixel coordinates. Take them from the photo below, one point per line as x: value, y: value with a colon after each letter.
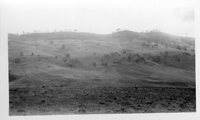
x: 64, y: 61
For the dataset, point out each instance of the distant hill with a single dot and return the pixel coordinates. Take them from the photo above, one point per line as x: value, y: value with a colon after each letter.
x: 157, y: 37
x: 56, y: 36
x: 137, y: 57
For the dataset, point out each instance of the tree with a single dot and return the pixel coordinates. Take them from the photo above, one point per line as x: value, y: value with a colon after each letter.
x: 67, y: 55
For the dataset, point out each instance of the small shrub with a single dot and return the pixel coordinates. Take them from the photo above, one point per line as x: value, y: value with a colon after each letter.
x: 12, y: 77
x: 21, y: 53
x: 129, y: 58
x: 178, y: 59
x: 116, y: 62
x: 67, y: 55
x: 178, y: 47
x: 156, y: 59
x: 63, y: 46
x: 140, y: 59
x: 70, y: 65
x: 65, y: 60
x: 17, y: 60
x: 105, y: 64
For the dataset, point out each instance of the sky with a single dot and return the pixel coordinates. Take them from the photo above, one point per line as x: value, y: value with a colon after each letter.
x: 99, y: 16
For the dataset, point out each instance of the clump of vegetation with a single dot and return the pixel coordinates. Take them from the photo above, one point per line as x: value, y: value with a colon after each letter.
x: 12, y: 77
x: 156, y: 59
x: 129, y: 58
x: 124, y: 52
x: 192, y: 50
x: 75, y: 62
x: 178, y: 47
x: 70, y: 65
x: 17, y: 60
x: 21, y: 53
x: 184, y: 48
x: 63, y: 46
x: 104, y: 64
x: 178, y: 58
x: 116, y: 62
x: 145, y: 45
x: 64, y: 60
x: 67, y: 55
x: 140, y: 59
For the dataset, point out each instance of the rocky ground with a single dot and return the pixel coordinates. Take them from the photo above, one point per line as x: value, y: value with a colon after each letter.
x: 65, y: 100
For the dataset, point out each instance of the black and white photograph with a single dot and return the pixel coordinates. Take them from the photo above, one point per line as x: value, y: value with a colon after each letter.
x: 99, y: 57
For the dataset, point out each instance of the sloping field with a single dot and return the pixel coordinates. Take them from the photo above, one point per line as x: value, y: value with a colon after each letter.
x: 125, y: 72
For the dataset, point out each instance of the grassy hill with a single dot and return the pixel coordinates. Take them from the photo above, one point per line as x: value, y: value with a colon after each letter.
x: 63, y: 61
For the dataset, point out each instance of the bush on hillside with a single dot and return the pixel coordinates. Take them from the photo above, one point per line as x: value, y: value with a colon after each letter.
x: 12, y: 77
x: 63, y: 46
x: 17, y: 60
x: 140, y: 60
x: 156, y: 59
x: 75, y: 62
x: 67, y: 55
x: 21, y: 53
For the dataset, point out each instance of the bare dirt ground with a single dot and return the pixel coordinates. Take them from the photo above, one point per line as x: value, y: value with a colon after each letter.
x: 62, y: 99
